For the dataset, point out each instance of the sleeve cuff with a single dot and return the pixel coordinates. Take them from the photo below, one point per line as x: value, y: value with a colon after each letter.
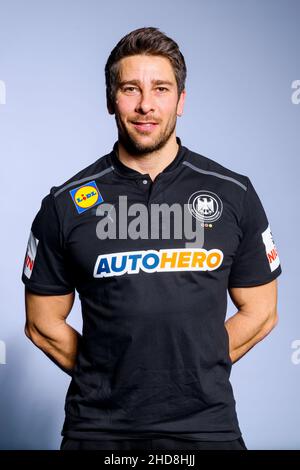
x: 45, y: 288
x: 255, y: 282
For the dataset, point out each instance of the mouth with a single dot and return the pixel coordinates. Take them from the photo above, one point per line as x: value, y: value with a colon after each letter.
x: 144, y: 126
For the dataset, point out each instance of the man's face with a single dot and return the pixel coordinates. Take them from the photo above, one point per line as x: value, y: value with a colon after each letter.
x: 146, y: 103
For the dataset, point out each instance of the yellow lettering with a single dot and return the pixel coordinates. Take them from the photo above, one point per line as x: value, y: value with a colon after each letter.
x: 165, y: 259
x: 198, y: 259
x: 184, y: 259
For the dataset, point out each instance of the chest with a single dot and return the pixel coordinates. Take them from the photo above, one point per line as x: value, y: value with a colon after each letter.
x: 143, y: 226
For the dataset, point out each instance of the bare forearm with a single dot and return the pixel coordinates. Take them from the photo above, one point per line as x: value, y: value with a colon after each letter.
x: 60, y: 344
x: 244, y: 332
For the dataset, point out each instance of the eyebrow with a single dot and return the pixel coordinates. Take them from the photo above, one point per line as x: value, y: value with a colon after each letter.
x: 137, y: 82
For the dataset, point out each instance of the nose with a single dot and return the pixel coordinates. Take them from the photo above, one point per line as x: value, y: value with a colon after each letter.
x: 145, y: 103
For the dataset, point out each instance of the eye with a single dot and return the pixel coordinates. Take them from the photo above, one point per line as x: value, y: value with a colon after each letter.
x: 130, y: 90
x: 162, y: 89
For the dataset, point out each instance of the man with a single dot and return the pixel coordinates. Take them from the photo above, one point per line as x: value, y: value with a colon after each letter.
x: 151, y: 368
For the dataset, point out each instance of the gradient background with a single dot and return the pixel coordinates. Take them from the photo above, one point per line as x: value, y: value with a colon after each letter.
x: 242, y: 58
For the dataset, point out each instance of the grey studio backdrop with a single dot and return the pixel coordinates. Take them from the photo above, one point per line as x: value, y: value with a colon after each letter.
x: 242, y: 109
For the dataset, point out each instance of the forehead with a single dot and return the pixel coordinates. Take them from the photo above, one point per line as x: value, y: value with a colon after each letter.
x: 141, y: 67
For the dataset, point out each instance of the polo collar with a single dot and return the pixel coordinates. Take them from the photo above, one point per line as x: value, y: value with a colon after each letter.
x: 126, y: 171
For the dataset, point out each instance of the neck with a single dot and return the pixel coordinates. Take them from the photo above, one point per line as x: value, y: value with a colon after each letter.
x: 150, y: 163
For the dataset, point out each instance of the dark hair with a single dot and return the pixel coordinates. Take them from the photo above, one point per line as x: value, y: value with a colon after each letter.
x: 148, y: 41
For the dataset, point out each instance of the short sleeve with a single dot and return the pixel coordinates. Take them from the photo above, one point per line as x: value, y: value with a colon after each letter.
x: 45, y: 269
x: 256, y: 261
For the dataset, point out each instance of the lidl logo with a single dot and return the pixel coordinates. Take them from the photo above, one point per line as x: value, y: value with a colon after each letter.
x: 86, y: 196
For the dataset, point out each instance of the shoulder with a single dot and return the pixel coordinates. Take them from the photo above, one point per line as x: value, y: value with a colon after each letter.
x: 95, y: 170
x: 60, y: 199
x: 206, y: 166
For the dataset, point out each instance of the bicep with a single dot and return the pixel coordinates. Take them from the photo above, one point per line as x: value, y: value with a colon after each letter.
x: 44, y: 312
x: 259, y: 301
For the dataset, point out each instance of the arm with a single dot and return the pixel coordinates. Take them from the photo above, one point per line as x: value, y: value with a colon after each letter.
x: 46, y: 327
x: 256, y: 317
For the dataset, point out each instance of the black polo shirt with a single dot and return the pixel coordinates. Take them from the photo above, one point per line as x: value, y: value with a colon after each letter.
x: 154, y: 358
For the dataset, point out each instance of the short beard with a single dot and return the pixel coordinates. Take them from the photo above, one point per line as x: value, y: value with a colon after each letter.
x: 134, y: 148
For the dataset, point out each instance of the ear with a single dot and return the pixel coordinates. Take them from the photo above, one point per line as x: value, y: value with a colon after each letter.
x: 110, y: 108
x: 109, y: 103
x: 180, y: 104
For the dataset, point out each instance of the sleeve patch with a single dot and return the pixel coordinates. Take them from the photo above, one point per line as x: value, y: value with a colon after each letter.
x: 30, y: 255
x: 271, y: 250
